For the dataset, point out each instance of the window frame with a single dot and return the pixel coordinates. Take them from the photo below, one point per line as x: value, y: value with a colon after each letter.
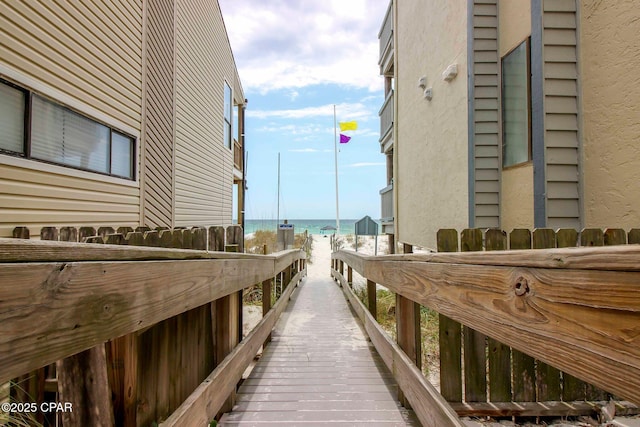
x: 27, y: 136
x: 228, y: 124
x: 527, y: 43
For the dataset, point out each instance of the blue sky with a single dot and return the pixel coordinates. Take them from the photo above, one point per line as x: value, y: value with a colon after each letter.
x: 296, y: 59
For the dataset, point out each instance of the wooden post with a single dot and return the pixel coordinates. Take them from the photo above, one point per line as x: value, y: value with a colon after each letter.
x: 225, y: 316
x: 371, y: 296
x: 408, y: 330
x: 392, y: 244
x: 548, y: 386
x: 450, y: 339
x: 475, y: 343
x: 499, y: 354
x: 266, y: 303
x: 523, y: 365
x: 83, y: 380
x: 573, y: 389
x: 596, y: 237
x: 235, y: 236
x: 350, y: 276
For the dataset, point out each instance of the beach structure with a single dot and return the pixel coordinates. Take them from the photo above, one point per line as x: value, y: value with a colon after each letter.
x: 118, y: 113
x: 509, y: 114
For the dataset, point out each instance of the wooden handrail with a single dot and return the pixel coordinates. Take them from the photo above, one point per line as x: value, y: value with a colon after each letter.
x: 576, y: 309
x: 205, y: 402
x: 428, y: 405
x: 53, y: 307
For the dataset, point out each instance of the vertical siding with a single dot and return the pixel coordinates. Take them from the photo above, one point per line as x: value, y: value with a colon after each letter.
x: 559, y: 40
x: 159, y: 123
x: 484, y: 144
x: 203, y: 164
x: 87, y: 56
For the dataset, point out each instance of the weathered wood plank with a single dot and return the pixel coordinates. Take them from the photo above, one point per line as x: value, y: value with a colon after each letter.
x: 450, y: 334
x: 614, y: 258
x: 372, y: 301
x: 523, y: 365
x: 48, y: 251
x: 205, y: 402
x: 408, y: 330
x: 548, y: 384
x: 499, y: 354
x: 474, y: 342
x: 572, y: 388
x: 587, y: 312
x: 536, y: 409
x: 430, y: 407
x: 81, y: 304
x: 83, y: 381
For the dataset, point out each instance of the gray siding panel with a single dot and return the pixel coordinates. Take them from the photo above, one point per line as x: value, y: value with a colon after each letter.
x: 484, y: 148
x: 561, y: 121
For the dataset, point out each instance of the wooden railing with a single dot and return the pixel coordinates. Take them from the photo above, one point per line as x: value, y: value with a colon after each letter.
x: 574, y: 309
x: 170, y: 318
x: 238, y: 161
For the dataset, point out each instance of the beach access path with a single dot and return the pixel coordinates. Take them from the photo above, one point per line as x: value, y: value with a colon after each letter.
x: 320, y: 367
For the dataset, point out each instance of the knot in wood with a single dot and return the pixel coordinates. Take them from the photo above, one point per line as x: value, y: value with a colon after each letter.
x: 521, y: 287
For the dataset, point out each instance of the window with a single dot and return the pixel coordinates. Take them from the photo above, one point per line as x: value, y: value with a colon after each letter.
x: 12, y: 108
x: 228, y: 106
x: 516, y: 111
x: 58, y: 135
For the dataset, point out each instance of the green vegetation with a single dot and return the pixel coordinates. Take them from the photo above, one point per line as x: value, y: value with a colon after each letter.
x: 256, y: 243
x: 20, y: 418
x: 386, y: 316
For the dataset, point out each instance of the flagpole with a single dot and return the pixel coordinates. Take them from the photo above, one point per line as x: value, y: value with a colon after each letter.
x: 335, y: 145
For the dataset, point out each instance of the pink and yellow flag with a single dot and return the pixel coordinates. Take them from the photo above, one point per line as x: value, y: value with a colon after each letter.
x: 352, y: 125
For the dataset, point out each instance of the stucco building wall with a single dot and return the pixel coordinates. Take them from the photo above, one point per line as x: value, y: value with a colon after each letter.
x: 431, y: 136
x: 610, y: 58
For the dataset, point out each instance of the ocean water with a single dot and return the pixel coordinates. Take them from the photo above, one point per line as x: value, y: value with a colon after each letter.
x: 313, y: 226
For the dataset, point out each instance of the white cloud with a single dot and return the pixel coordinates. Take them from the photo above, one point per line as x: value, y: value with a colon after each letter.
x: 284, y: 44
x: 348, y: 111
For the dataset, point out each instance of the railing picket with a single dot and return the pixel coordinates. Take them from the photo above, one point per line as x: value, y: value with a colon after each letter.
x: 68, y: 234
x: 548, y: 387
x: 634, y: 236
x: 523, y: 369
x: 450, y: 335
x: 499, y: 354
x: 371, y: 298
x: 594, y: 237
x: 573, y: 389
x: 475, y: 343
x: 408, y: 330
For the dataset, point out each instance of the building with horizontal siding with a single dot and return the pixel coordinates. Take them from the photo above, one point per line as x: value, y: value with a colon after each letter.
x: 118, y: 113
x: 509, y: 114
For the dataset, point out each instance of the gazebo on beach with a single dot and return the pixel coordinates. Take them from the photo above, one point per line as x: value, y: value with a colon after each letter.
x: 327, y: 228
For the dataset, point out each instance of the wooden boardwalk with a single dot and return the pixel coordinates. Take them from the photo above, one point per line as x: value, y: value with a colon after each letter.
x: 319, y: 369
